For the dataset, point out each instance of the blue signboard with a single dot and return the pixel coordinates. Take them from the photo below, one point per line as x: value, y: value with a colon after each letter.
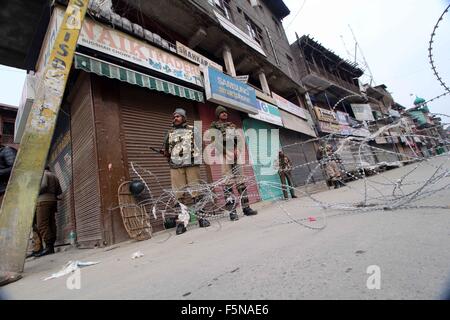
x: 227, y: 91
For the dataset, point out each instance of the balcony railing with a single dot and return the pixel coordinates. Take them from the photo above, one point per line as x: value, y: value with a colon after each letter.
x: 331, y: 77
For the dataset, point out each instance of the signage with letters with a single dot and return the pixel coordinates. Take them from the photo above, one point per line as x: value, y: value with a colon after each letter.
x: 118, y: 44
x: 342, y: 117
x: 325, y: 115
x: 193, y: 56
x: 288, y: 106
x: 328, y: 127
x: 243, y: 79
x: 363, y: 112
x: 227, y: 91
x: 268, y: 113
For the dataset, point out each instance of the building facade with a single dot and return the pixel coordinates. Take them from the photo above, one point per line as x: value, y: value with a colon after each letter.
x: 135, y: 63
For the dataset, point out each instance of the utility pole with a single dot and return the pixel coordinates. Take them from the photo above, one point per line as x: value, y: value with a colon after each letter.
x: 17, y: 211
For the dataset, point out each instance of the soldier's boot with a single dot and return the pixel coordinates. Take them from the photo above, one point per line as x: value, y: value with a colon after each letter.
x: 231, y: 207
x: 250, y: 212
x: 49, y: 249
x: 230, y: 204
x: 336, y: 184
x: 180, y: 229
x: 202, y: 222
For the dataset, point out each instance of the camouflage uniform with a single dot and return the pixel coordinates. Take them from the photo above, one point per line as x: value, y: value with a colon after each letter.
x: 182, y: 144
x: 329, y: 160
x: 284, y: 166
x: 233, y: 173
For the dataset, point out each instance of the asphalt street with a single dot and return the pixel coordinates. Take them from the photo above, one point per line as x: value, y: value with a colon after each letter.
x: 270, y: 256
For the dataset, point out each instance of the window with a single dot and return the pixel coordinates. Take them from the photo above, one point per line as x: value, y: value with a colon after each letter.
x: 8, y: 128
x: 255, y: 32
x: 224, y: 6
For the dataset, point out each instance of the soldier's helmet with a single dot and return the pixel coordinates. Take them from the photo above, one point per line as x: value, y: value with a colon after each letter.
x: 219, y: 110
x: 136, y: 187
x: 181, y: 112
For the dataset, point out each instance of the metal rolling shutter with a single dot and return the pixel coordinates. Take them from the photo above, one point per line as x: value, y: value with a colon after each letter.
x: 293, y: 148
x: 146, y: 117
x: 85, y: 182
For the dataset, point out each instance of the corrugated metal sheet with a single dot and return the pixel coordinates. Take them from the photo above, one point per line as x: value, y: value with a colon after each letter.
x: 146, y: 117
x: 294, y: 149
x: 85, y: 182
x: 60, y: 161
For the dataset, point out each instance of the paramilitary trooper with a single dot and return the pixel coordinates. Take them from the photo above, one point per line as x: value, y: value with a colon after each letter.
x: 329, y: 160
x: 232, y: 173
x: 182, y: 149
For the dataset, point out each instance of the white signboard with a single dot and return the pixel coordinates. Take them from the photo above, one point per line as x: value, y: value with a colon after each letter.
x: 288, y: 106
x: 118, y: 44
x: 268, y: 113
x: 243, y: 79
x: 363, y: 112
x: 230, y: 27
x: 193, y: 56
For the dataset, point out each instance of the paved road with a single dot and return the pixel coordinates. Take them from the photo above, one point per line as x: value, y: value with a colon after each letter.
x: 269, y: 257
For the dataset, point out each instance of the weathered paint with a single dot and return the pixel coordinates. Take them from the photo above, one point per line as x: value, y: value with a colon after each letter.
x: 16, y: 214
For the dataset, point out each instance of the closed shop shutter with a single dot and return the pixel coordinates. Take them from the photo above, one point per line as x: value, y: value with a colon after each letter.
x: 292, y: 147
x: 146, y: 117
x: 60, y: 161
x: 390, y: 156
x: 207, y: 115
x: 269, y: 185
x: 310, y: 150
x: 302, y: 156
x: 85, y: 173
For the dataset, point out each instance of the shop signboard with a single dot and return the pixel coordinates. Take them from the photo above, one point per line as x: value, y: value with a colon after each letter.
x: 326, y: 115
x: 290, y: 107
x: 115, y: 43
x: 268, y: 113
x: 227, y: 91
x: 363, y: 112
x: 196, y: 57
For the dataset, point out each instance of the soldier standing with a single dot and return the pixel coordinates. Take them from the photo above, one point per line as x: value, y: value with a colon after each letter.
x: 329, y: 160
x: 285, y: 171
x: 181, y: 148
x: 232, y: 173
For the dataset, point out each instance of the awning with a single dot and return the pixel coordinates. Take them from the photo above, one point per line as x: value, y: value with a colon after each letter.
x: 297, y: 124
x: 113, y: 71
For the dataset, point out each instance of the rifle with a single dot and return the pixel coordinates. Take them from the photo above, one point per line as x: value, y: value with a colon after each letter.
x: 159, y: 151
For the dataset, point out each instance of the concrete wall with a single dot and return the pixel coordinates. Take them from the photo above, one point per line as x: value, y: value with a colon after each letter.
x: 263, y: 17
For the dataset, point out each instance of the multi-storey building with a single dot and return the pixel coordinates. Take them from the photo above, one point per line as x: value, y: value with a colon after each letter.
x: 136, y: 61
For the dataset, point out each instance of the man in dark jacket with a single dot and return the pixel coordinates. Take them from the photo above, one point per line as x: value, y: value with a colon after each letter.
x: 182, y: 149
x: 7, y: 158
x: 46, y: 209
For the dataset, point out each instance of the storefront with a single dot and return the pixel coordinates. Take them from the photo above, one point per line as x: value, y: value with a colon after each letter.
x: 298, y: 142
x: 119, y: 104
x: 263, y: 147
x: 239, y: 99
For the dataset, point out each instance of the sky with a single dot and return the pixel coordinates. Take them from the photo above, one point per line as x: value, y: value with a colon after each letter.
x: 392, y: 35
